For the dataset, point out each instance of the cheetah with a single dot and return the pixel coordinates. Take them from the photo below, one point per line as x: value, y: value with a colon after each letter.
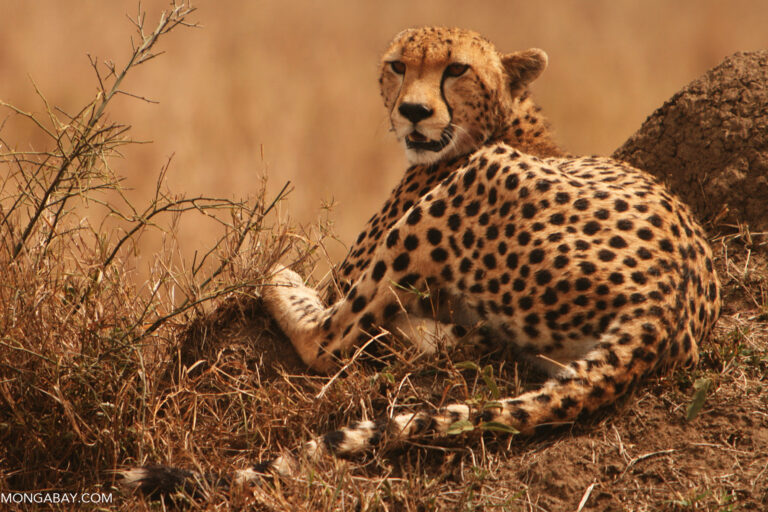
x: 591, y: 269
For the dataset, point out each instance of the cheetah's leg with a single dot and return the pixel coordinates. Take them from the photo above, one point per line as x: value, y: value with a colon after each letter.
x: 298, y: 310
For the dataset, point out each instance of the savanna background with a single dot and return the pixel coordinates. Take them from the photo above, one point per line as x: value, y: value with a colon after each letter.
x: 140, y: 339
x: 290, y: 88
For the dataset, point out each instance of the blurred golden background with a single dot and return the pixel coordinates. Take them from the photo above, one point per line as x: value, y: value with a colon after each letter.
x: 290, y: 87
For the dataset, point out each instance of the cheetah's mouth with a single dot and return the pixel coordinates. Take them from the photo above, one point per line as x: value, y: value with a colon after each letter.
x: 418, y: 141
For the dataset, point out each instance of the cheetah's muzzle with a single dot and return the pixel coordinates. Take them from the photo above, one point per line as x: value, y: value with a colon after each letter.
x: 416, y: 140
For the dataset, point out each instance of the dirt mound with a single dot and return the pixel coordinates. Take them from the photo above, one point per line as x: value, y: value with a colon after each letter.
x: 709, y: 142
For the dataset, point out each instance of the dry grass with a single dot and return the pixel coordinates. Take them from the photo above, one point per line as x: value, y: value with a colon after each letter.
x: 99, y: 370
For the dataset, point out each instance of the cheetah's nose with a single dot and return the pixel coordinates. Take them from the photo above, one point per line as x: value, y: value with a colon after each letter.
x: 415, y: 112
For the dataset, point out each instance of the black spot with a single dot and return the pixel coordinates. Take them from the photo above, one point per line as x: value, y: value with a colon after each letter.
x: 557, y: 219
x: 587, y: 267
x: 655, y: 220
x: 532, y: 319
x: 454, y: 222
x: 469, y: 177
x: 606, y: 255
x: 666, y: 245
x: 555, y: 237
x: 414, y: 217
x: 366, y: 321
x: 536, y: 256
x: 477, y: 288
x: 616, y: 278
x: 511, y: 182
x: 624, y: 224
x: 401, y: 262
x: 492, y: 170
x: 581, y: 204
x: 560, y: 261
x: 602, y: 214
x: 562, y: 197
x: 521, y: 415
x: 472, y: 209
x: 434, y: 236
x: 543, y: 276
x: 411, y: 242
x: 620, y: 300
x: 465, y: 265
x: 378, y: 271
x: 358, y: 304
x: 437, y: 208
x: 492, y: 233
x: 639, y: 277
x: 408, y: 280
x: 591, y: 227
x: 332, y: 440
x: 644, y: 254
x: 630, y: 261
x: 489, y: 260
x: 439, y: 254
x: 581, y: 245
x: 617, y: 242
x: 582, y: 284
x: 529, y: 210
x: 523, y: 238
x: 512, y: 261
x: 392, y: 238
x: 518, y: 285
x: 549, y: 296
x: 525, y: 303
x: 644, y: 234
x: 468, y: 239
x: 620, y: 205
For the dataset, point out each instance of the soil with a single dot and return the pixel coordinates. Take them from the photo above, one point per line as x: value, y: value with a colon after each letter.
x: 709, y: 142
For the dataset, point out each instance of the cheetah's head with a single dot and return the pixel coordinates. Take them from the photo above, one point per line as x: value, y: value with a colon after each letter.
x: 449, y: 90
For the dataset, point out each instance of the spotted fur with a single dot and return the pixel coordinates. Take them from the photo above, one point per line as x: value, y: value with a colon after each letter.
x: 592, y: 269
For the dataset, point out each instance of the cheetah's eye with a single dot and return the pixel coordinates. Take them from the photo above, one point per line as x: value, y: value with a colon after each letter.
x: 456, y: 69
x: 397, y: 66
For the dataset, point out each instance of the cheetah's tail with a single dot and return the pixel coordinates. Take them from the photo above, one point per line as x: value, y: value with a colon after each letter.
x: 155, y: 481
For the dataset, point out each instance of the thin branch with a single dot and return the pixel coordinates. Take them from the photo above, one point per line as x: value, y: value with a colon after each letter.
x: 186, y: 304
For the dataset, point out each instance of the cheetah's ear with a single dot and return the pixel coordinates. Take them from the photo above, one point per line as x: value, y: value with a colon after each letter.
x: 523, y: 67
